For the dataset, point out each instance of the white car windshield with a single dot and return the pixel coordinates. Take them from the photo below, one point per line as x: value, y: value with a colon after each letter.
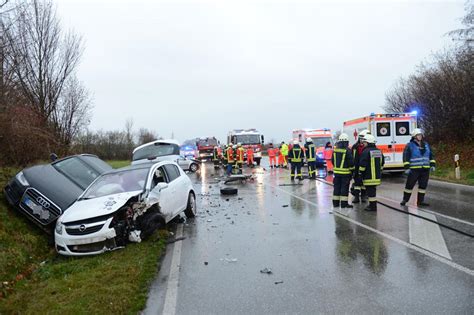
x: 114, y: 183
x: 247, y: 139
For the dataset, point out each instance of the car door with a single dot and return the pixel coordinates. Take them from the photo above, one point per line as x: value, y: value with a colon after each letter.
x: 176, y: 185
x: 160, y: 193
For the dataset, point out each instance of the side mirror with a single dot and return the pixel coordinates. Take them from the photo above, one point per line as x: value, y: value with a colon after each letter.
x: 263, y: 139
x: 161, y: 186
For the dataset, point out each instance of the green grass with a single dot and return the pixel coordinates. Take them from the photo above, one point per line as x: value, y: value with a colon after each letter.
x: 118, y: 163
x: 34, y: 279
x: 447, y: 174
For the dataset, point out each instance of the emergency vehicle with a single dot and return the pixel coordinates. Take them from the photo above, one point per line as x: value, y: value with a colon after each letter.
x: 320, y: 138
x: 391, y: 131
x: 205, y: 146
x: 249, y: 138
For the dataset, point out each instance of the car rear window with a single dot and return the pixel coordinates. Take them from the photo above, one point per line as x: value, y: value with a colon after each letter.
x: 77, y: 171
x: 156, y: 150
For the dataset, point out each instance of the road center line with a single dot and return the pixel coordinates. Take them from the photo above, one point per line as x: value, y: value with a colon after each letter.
x: 171, y: 297
x: 390, y: 237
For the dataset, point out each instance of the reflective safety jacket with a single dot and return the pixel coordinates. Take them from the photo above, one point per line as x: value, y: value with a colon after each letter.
x: 249, y: 153
x: 296, y: 155
x: 418, y: 155
x: 371, y: 165
x: 310, y: 149
x: 271, y: 152
x: 230, y: 154
x: 240, y: 155
x: 342, y: 161
x: 284, y: 149
x: 215, y: 155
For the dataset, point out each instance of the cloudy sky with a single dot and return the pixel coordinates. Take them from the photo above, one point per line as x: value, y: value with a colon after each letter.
x: 201, y: 68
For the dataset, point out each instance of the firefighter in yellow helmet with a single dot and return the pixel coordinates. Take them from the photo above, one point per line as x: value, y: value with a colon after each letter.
x: 370, y: 169
x: 343, y: 168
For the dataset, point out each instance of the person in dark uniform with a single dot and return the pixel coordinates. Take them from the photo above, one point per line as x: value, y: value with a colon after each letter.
x: 418, y: 160
x: 295, y: 157
x: 359, y: 188
x: 310, y: 152
x: 343, y: 168
x: 370, y: 169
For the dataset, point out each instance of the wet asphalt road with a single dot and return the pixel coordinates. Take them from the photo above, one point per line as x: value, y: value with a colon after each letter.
x: 322, y: 261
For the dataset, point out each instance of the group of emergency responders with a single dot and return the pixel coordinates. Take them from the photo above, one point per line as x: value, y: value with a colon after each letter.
x: 232, y: 157
x: 362, y: 163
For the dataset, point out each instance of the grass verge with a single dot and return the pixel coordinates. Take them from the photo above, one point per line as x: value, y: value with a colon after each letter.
x: 447, y: 174
x: 36, y: 280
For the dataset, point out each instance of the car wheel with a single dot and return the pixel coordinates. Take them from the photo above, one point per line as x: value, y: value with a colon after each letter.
x: 229, y: 191
x: 150, y: 223
x: 193, y: 167
x: 191, y: 209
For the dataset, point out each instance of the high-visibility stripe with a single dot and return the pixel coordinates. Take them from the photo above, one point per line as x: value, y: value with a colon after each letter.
x: 432, y: 161
x: 362, y: 168
x: 406, y: 163
x: 372, y: 166
x: 421, y: 191
x: 371, y: 182
x: 408, y: 191
x: 372, y: 199
x: 357, y: 187
x: 344, y: 198
x: 362, y: 188
x: 336, y: 197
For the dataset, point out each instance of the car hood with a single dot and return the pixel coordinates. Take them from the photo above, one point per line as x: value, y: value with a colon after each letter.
x: 54, y: 185
x: 91, y: 208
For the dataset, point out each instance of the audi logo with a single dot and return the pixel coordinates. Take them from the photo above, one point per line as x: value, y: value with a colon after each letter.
x: 44, y: 203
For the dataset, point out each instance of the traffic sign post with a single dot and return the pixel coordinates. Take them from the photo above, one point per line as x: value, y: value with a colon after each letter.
x: 457, y: 169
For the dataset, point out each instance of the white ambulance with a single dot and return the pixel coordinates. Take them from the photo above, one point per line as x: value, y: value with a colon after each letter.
x: 391, y: 131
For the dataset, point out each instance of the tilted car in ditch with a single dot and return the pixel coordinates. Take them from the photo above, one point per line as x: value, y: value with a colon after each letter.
x: 43, y: 192
x: 124, y: 205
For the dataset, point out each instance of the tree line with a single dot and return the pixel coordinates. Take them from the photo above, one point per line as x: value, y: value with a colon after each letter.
x: 442, y: 90
x: 44, y: 107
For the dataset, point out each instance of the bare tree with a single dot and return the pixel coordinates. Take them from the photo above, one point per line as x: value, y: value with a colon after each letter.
x: 73, y: 111
x: 41, y: 57
x: 145, y: 135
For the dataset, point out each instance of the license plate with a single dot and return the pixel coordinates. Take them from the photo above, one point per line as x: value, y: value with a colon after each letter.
x: 27, y: 201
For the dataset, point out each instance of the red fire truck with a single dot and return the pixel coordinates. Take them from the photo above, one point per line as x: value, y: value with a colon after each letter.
x: 249, y: 138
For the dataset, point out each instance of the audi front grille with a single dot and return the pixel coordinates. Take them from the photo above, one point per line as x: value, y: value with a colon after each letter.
x: 39, y: 207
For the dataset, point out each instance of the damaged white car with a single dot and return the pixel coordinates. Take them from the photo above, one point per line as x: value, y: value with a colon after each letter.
x: 122, y: 206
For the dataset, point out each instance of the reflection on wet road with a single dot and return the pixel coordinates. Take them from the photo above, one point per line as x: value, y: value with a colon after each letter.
x: 322, y: 261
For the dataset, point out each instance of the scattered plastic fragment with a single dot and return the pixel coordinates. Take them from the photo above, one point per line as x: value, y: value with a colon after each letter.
x: 284, y: 206
x: 206, y: 263
x: 278, y: 282
x: 268, y: 271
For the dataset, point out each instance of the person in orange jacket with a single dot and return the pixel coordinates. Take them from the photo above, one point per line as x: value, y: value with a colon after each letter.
x: 271, y: 155
x: 250, y: 157
x: 328, y: 156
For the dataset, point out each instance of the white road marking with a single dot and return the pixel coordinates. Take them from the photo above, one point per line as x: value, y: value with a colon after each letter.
x: 426, y: 234
x: 390, y: 237
x: 171, y: 297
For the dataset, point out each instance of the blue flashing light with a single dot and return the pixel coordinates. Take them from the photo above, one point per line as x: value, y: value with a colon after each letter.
x: 415, y: 112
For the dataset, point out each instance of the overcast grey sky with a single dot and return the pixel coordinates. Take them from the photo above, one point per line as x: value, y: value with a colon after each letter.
x: 201, y: 68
